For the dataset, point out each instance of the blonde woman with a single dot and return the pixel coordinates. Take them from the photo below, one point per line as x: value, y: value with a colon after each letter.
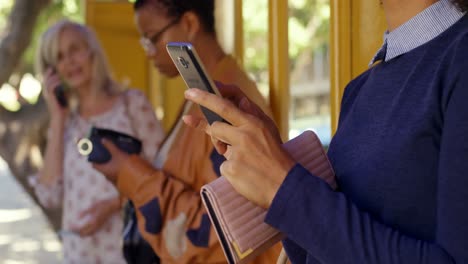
x: 70, y: 55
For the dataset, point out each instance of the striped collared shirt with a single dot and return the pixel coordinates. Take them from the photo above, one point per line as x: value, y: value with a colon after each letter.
x: 419, y: 30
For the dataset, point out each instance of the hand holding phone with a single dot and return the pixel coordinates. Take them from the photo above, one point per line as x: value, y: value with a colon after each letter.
x: 96, y: 152
x: 55, y: 85
x: 193, y: 72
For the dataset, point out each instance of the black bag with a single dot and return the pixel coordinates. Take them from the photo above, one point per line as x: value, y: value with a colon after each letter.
x: 135, y: 249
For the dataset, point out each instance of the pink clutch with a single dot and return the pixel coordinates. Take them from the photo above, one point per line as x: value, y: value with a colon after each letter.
x: 239, y: 223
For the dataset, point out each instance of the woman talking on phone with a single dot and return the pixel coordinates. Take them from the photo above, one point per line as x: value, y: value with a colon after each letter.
x: 70, y: 58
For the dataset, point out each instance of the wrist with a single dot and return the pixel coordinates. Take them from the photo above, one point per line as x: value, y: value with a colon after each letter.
x: 271, y: 190
x: 111, y: 206
x: 277, y: 180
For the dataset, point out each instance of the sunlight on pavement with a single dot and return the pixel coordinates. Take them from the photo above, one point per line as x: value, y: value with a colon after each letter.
x: 4, y: 239
x: 26, y: 245
x: 7, y: 216
x: 52, y: 246
x: 25, y: 235
x: 3, y: 165
x: 10, y: 261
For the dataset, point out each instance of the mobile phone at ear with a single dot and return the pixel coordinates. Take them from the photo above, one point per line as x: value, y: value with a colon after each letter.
x: 59, y: 92
x: 193, y: 72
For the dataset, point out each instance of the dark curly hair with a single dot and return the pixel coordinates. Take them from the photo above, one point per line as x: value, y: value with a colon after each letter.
x: 204, y: 9
x: 461, y: 4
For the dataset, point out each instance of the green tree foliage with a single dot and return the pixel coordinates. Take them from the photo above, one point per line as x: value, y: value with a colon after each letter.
x: 308, y: 32
x: 309, y: 26
x: 57, y: 10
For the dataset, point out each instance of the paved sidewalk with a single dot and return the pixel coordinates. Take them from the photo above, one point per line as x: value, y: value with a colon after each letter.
x: 25, y: 236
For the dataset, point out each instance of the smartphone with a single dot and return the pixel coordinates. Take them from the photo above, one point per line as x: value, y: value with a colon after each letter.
x: 192, y: 71
x: 59, y: 92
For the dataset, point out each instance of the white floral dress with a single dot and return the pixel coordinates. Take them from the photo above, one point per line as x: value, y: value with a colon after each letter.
x: 81, y: 186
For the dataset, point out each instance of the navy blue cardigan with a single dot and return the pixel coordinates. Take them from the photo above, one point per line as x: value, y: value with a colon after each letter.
x: 401, y: 157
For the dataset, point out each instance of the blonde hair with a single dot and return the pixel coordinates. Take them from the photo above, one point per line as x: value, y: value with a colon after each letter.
x: 47, y: 55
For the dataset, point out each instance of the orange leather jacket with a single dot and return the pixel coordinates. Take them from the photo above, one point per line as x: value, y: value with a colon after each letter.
x: 170, y: 213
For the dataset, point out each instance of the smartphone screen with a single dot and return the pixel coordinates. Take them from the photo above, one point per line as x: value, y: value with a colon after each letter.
x: 192, y: 71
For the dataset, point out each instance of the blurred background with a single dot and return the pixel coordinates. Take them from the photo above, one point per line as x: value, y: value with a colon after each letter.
x: 27, y: 232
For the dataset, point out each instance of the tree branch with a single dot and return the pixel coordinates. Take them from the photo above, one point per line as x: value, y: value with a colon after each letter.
x: 17, y: 35
x: 22, y: 131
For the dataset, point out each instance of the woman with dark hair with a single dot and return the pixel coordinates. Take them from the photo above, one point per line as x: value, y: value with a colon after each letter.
x: 169, y: 210
x: 400, y: 152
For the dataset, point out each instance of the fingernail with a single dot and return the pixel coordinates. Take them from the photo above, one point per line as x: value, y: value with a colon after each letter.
x: 192, y: 92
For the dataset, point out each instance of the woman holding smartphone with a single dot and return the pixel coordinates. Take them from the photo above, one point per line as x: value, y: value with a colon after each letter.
x: 70, y: 56
x: 399, y: 152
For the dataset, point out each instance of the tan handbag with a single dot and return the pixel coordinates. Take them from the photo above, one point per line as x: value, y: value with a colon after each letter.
x: 239, y: 223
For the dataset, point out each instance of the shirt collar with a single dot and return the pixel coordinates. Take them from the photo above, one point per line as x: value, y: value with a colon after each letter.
x: 419, y: 30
